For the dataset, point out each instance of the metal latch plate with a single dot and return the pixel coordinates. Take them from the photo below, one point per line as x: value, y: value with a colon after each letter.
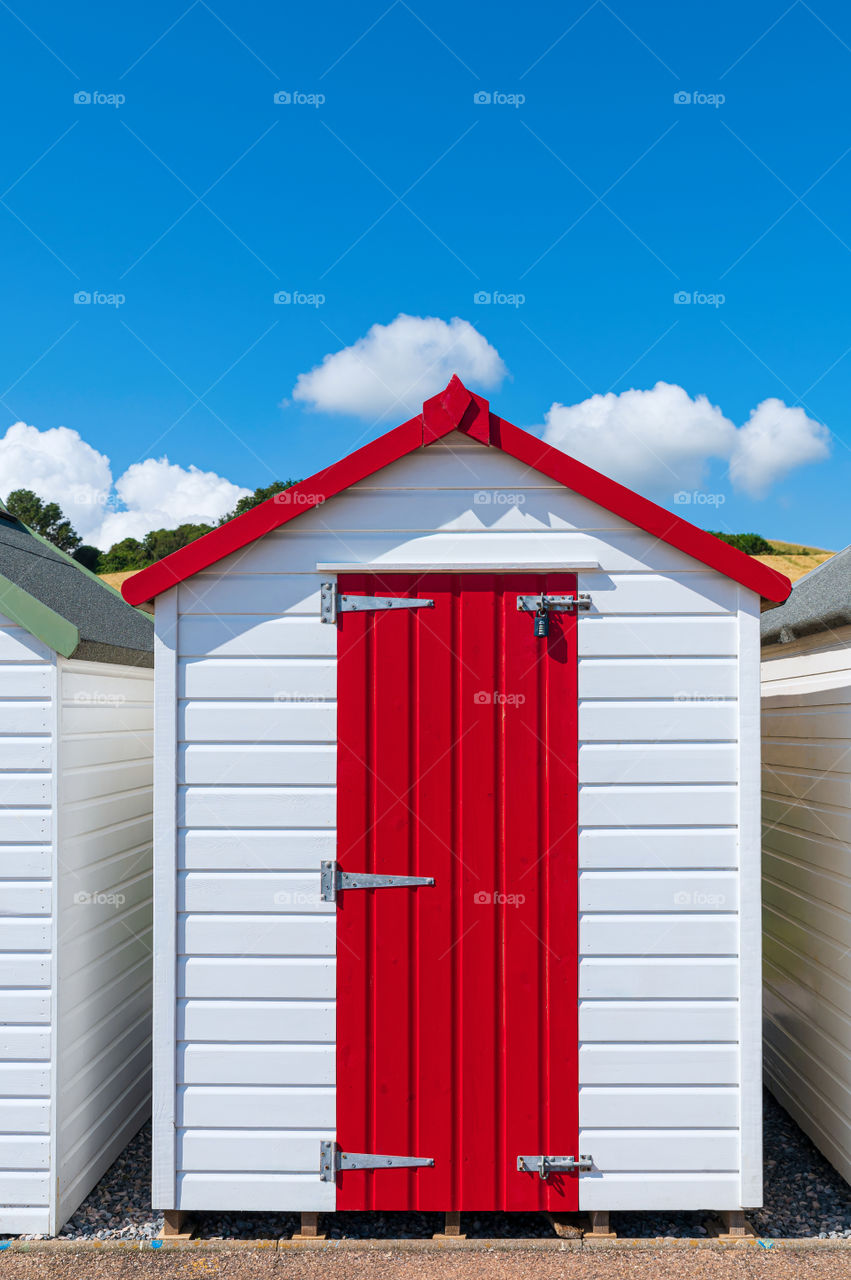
x: 333, y: 1161
x: 554, y: 604
x: 544, y: 1166
x: 332, y: 880
x: 332, y: 603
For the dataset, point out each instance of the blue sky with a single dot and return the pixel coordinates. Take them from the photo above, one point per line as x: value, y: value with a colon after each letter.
x: 598, y: 199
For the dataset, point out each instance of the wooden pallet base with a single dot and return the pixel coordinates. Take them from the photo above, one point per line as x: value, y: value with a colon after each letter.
x: 177, y: 1225
x: 451, y: 1229
x: 732, y: 1226
x: 309, y: 1228
x: 600, y: 1229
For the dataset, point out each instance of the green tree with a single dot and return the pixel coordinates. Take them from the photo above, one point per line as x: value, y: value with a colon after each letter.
x: 753, y: 544
x: 123, y: 555
x: 162, y: 542
x: 45, y: 518
x: 259, y: 495
x: 88, y: 556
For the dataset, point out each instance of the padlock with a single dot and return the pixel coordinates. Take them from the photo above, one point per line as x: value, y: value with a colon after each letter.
x: 542, y: 622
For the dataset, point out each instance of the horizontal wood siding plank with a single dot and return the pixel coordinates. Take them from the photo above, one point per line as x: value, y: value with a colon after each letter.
x: 247, y: 1151
x: 255, y: 1192
x: 281, y: 679
x: 238, y: 977
x: 669, y: 1064
x: 672, y: 637
x: 640, y: 1108
x: 661, y: 1151
x: 657, y: 721
x: 658, y: 891
x: 686, y: 680
x: 245, y: 850
x: 245, y: 935
x: 689, y: 1192
x: 603, y: 978
x: 256, y: 1107
x: 229, y: 721
x: 244, y: 1021
x: 24, y: 1115
x: 658, y: 762
x: 647, y: 1020
x: 266, y: 1064
x: 258, y: 891
x: 657, y: 848
x: 302, y: 765
x: 671, y: 934
x: 645, y: 805
x: 247, y: 807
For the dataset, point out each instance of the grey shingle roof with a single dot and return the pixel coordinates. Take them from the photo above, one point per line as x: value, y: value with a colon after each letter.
x: 110, y: 630
x: 820, y: 601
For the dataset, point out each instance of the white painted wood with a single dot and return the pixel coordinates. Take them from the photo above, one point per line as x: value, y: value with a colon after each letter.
x: 658, y: 848
x: 657, y: 1107
x: 806, y: 725
x: 665, y: 1191
x: 662, y: 1151
x: 256, y: 1106
x: 669, y: 1064
x: 247, y: 1151
x: 658, y: 891
x: 642, y: 977
x: 686, y: 680
x: 647, y: 1020
x: 255, y: 1192
x: 660, y: 720
x: 642, y: 805
x: 279, y: 721
x: 255, y: 935
x: 601, y: 636
x: 103, y: 931
x: 25, y: 753
x: 654, y: 720
x: 658, y: 762
x: 163, y: 1188
x: 243, y: 1021
x: 25, y: 1115
x: 674, y: 933
x: 255, y: 1064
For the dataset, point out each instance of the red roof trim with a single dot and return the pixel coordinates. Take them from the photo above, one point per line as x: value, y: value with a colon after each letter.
x: 456, y: 409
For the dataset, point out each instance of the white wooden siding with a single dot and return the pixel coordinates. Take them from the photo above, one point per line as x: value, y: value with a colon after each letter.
x: 806, y: 726
x: 27, y: 753
x: 104, y: 936
x: 250, y: 686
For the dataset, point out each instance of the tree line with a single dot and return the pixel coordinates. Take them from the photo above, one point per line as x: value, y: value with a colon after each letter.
x: 48, y: 519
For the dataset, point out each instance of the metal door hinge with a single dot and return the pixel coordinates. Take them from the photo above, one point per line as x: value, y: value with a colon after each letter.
x: 333, y: 1161
x: 544, y: 1166
x: 554, y: 604
x: 332, y: 603
x: 332, y: 880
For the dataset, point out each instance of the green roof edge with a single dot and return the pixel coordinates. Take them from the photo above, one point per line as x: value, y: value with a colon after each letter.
x: 39, y: 619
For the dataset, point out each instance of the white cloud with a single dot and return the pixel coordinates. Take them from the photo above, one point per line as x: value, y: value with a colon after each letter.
x: 397, y: 366
x: 663, y: 439
x: 60, y: 466
x: 774, y: 440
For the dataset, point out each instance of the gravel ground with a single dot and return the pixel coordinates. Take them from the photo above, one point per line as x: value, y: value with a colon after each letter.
x: 804, y: 1196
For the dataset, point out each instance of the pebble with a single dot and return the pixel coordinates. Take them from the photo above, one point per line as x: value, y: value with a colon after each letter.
x: 804, y: 1196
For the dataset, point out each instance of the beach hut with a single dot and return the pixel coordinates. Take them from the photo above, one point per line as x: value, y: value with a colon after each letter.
x: 457, y: 888
x: 806, y: 742
x: 76, y: 694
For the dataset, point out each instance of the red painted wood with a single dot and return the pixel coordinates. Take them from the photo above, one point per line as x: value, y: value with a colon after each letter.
x: 457, y: 1018
x: 457, y: 408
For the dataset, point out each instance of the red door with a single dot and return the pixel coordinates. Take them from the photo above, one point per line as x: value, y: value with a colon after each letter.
x: 457, y: 1004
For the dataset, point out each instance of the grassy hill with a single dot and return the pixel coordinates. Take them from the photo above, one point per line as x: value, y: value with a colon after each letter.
x: 793, y: 559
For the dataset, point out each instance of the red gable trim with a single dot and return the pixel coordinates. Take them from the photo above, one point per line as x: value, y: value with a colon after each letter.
x: 456, y: 408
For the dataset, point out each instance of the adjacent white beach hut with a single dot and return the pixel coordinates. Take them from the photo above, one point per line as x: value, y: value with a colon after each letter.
x: 806, y: 727
x: 483, y: 725
x: 75, y: 879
